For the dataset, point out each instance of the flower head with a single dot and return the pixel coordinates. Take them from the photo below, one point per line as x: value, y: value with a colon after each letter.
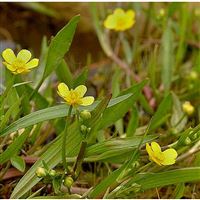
x: 167, y: 157
x: 20, y: 63
x: 188, y: 108
x: 120, y: 20
x: 41, y: 172
x: 74, y: 97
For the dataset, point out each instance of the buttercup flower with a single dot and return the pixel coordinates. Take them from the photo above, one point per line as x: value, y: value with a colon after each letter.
x: 20, y: 63
x: 120, y: 20
x: 188, y: 108
x: 75, y: 97
x: 167, y: 157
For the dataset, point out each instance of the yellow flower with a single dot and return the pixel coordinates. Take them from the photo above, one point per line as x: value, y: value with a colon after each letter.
x: 167, y: 157
x: 120, y: 20
x: 188, y: 108
x: 75, y: 97
x: 20, y: 63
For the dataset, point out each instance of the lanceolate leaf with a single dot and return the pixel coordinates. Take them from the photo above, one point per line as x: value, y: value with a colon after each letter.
x: 14, y: 147
x: 59, y: 46
x: 162, y: 113
x: 51, y: 113
x: 153, y: 180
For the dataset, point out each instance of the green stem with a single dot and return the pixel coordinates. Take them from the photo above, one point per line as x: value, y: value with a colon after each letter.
x: 36, y: 89
x: 79, y: 160
x: 64, y: 140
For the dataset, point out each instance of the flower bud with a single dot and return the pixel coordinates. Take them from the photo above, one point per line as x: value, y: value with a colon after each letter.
x: 40, y: 172
x: 85, y: 114
x: 68, y: 181
x: 188, y: 108
x: 193, y: 75
x: 52, y: 172
x: 193, y: 136
x: 187, y: 141
x: 83, y: 128
x: 88, y: 129
x: 162, y: 12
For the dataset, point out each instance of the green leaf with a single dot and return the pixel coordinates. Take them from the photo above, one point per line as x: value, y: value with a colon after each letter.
x: 112, y: 114
x: 177, y: 119
x: 103, y: 185
x: 51, y: 113
x: 64, y: 74
x: 81, y: 79
x: 12, y: 108
x: 167, y: 58
x: 179, y: 191
x: 18, y: 162
x: 14, y: 147
x: 153, y: 180
x: 108, y: 149
x: 133, y: 122
x: 60, y: 45
x: 162, y: 113
x: 115, y: 92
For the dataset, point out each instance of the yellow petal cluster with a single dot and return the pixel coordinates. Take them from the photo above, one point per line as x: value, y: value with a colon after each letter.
x: 188, y: 108
x: 120, y: 20
x: 167, y: 157
x: 20, y: 63
x: 74, y: 97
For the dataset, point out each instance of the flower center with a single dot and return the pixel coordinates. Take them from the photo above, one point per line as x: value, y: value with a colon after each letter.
x: 74, y: 98
x: 120, y: 22
x: 159, y: 156
x: 19, y: 65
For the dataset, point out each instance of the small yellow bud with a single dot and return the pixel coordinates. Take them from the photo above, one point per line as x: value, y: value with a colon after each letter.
x: 188, y: 108
x: 68, y: 181
x: 193, y: 75
x: 85, y: 115
x: 187, y: 141
x: 162, y: 12
x: 40, y: 172
x: 197, y: 12
x: 52, y: 172
x: 83, y: 128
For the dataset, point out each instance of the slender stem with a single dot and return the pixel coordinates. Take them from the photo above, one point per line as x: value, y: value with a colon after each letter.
x: 3, y: 171
x: 80, y: 157
x: 36, y: 89
x: 64, y: 140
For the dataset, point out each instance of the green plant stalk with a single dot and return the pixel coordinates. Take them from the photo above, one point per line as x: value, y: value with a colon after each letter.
x: 64, y: 140
x: 79, y: 160
x: 36, y: 90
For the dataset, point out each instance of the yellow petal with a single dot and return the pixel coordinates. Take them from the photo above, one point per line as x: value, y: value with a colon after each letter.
x: 118, y: 11
x: 170, y: 156
x: 9, y: 56
x: 151, y: 154
x: 149, y: 150
x: 81, y: 90
x: 10, y: 67
x: 155, y: 147
x: 33, y: 63
x: 110, y: 22
x: 86, y: 101
x: 130, y: 14
x: 63, y: 90
x: 24, y: 55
